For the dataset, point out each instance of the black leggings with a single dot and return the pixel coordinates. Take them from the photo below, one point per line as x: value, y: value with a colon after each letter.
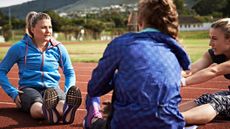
x: 220, y: 101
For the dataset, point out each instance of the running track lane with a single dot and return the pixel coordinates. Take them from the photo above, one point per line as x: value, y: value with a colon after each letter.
x: 10, y: 117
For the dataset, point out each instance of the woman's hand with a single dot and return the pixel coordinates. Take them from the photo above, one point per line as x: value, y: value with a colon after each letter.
x: 213, y: 64
x: 186, y: 73
x: 18, y: 100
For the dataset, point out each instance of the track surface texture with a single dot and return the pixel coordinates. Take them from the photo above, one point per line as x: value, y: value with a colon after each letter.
x: 11, y: 117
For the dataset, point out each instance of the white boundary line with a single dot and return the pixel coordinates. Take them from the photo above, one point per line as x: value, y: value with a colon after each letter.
x: 202, y: 88
x: 11, y: 103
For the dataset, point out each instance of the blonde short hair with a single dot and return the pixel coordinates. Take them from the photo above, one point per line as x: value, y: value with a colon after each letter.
x: 224, y: 25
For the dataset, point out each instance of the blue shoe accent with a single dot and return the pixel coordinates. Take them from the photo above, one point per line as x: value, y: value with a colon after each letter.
x: 93, y: 110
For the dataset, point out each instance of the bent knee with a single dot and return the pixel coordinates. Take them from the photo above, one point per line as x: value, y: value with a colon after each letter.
x: 36, y: 110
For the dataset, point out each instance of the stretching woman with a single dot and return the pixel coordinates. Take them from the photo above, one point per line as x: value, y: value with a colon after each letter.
x: 215, y: 62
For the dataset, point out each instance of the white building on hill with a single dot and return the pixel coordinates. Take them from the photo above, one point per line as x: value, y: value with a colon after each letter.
x: 186, y: 23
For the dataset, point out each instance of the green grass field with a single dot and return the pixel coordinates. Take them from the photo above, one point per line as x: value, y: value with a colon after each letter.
x: 195, y: 43
x: 91, y: 52
x: 86, y: 52
x: 195, y: 47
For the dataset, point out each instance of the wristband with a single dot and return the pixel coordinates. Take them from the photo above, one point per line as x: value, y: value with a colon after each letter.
x: 183, y: 81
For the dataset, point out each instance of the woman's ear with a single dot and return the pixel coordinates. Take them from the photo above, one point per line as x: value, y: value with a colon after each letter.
x: 140, y: 25
x: 228, y: 41
x: 32, y: 30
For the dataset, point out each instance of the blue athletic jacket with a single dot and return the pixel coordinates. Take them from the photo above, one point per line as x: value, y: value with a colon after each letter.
x: 36, y: 68
x: 144, y: 72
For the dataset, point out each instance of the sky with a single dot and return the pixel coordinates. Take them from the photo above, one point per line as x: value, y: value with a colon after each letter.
x: 6, y: 3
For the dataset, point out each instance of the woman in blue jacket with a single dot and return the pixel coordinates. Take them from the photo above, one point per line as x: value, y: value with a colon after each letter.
x: 38, y: 57
x: 144, y: 71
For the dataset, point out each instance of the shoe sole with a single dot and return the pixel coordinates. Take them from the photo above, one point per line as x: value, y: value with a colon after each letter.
x: 73, y: 97
x: 73, y: 102
x: 50, y: 99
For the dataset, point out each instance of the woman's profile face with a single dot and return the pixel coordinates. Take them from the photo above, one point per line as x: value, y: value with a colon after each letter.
x: 43, y: 30
x: 218, y: 42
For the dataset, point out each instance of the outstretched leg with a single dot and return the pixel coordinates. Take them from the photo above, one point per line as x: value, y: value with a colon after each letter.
x: 206, y: 107
x: 200, y: 114
x: 187, y: 106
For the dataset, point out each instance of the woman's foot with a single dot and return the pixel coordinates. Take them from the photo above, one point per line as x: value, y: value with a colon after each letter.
x: 50, y: 100
x: 72, y: 103
x: 93, y: 112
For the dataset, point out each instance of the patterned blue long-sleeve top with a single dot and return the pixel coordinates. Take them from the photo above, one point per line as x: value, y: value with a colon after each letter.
x: 144, y: 71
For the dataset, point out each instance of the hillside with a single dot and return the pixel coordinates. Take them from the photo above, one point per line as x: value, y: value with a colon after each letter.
x: 86, y: 4
x: 190, y: 3
x: 21, y: 10
x: 67, y: 6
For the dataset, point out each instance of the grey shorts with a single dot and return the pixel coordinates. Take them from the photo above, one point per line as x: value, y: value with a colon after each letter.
x: 31, y: 95
x: 220, y: 101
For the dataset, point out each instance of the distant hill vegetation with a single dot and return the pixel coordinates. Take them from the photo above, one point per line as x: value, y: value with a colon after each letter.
x: 190, y: 3
x: 65, y: 6
x: 20, y: 11
x: 86, y: 4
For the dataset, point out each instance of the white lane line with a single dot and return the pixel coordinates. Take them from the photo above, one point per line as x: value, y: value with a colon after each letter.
x: 202, y: 88
x: 10, y: 103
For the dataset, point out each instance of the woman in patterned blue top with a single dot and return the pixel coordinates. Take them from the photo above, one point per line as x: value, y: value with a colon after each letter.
x: 215, y: 62
x: 144, y: 71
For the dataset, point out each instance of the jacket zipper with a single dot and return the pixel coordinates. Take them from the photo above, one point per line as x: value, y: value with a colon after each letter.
x: 42, y: 64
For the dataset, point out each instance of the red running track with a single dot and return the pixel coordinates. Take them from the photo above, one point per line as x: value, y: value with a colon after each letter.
x: 11, y: 117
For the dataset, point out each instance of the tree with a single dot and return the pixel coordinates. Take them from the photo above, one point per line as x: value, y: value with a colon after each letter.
x: 57, y: 21
x: 209, y: 7
x: 179, y: 5
x: 7, y: 32
x: 3, y: 19
x: 95, y: 26
x: 226, y: 10
x: 18, y: 23
x: 67, y: 30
